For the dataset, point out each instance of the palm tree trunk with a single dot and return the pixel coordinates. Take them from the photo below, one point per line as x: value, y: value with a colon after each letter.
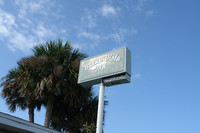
x: 31, y: 113
x: 49, y: 109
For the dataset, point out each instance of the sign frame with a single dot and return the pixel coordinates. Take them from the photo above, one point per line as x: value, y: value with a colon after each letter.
x: 125, y: 69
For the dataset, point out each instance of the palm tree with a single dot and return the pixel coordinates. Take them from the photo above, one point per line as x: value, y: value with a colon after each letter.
x: 59, y: 73
x: 49, y: 78
x: 18, y: 88
x: 71, y: 117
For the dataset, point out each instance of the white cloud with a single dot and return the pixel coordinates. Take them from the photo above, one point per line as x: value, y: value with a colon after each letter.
x: 7, y: 19
x: 42, y: 31
x: 137, y: 76
x: 17, y: 36
x: 89, y: 35
x: 37, y: 6
x: 19, y: 41
x: 8, y: 28
x: 89, y: 19
x: 24, y: 6
x: 119, y: 35
x: 63, y: 31
x: 24, y: 30
x: 133, y: 31
x: 7, y: 22
x: 108, y: 10
x: 1, y: 2
x: 140, y: 5
x: 149, y: 13
x: 4, y: 32
x: 77, y: 46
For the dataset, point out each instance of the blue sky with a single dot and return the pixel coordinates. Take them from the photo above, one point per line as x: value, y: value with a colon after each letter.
x: 163, y: 36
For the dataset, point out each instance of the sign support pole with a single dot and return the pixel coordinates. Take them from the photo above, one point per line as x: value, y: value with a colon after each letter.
x: 100, y: 109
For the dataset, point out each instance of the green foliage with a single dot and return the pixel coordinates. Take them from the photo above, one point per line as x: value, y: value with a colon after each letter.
x: 52, y: 71
x: 19, y: 88
x: 88, y: 128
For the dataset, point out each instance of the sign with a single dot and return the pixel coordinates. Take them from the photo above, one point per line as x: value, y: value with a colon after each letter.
x: 117, y: 79
x: 109, y: 68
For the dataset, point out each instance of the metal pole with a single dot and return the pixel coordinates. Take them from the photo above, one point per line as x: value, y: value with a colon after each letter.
x: 100, y: 109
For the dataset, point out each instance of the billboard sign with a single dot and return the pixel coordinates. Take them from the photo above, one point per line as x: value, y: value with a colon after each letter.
x: 110, y: 68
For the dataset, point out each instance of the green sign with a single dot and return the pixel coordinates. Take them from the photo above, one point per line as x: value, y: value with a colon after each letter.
x: 94, y: 70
